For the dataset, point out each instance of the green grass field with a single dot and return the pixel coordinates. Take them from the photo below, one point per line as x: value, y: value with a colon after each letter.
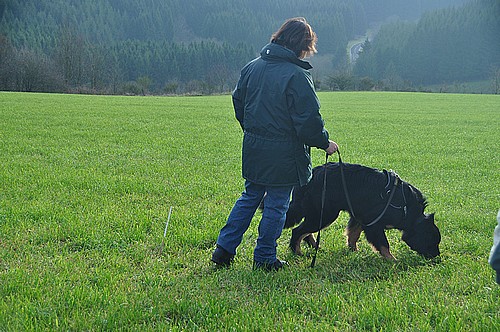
x: 86, y: 184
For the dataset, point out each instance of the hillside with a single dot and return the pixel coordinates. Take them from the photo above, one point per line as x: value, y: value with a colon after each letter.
x: 457, y: 44
x: 153, y: 46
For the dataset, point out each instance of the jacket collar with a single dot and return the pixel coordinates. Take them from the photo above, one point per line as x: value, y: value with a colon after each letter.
x: 274, y: 51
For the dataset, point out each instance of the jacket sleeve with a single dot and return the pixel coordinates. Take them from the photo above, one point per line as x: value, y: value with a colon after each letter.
x: 304, y: 105
x: 494, y: 259
x: 239, y: 105
x: 239, y: 95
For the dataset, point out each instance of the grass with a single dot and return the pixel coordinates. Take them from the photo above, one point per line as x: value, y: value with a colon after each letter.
x: 86, y: 183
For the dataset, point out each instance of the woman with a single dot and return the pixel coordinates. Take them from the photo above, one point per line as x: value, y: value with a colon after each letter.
x: 276, y: 105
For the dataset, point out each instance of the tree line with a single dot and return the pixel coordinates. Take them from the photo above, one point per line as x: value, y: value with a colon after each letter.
x: 178, y: 46
x: 128, y: 67
x: 457, y: 44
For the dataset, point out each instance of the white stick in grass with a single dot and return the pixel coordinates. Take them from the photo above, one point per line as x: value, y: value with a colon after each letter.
x: 168, y: 219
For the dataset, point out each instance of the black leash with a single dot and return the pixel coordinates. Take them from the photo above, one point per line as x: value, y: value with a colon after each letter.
x: 344, y: 184
x: 323, y: 194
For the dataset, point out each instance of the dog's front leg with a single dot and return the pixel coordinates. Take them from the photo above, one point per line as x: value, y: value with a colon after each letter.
x: 376, y: 237
x: 384, y: 251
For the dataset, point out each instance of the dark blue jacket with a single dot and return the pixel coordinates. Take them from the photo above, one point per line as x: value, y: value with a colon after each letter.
x: 276, y: 105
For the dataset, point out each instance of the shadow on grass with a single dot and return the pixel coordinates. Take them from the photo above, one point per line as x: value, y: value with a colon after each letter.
x: 344, y: 266
x: 334, y: 266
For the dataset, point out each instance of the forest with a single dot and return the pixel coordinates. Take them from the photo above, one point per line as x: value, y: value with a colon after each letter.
x: 199, y: 46
x: 448, y: 45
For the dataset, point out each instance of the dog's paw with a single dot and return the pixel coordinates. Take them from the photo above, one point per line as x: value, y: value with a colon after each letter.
x: 384, y: 251
x: 352, y: 246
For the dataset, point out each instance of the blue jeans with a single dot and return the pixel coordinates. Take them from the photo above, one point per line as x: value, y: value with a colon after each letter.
x: 276, y: 204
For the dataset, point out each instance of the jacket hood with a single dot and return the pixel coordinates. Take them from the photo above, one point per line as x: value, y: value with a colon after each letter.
x: 277, y: 52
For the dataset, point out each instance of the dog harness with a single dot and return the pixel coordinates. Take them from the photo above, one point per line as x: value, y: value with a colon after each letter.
x: 397, y: 180
x: 403, y: 207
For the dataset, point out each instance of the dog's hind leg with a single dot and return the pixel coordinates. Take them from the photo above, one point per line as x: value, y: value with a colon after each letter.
x: 297, y: 236
x: 304, y: 231
x: 353, y: 232
x: 310, y: 240
x: 310, y: 225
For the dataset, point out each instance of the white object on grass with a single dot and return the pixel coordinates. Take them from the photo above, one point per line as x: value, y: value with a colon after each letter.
x: 168, y: 219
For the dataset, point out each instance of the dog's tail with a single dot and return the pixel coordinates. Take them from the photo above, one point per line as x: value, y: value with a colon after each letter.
x: 296, y: 211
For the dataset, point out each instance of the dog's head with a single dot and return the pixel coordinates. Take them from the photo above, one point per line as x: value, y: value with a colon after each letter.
x: 424, y: 237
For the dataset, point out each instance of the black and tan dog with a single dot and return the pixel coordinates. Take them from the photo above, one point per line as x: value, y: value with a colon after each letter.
x: 380, y: 200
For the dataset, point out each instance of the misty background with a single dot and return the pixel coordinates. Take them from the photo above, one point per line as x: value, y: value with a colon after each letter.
x: 199, y: 46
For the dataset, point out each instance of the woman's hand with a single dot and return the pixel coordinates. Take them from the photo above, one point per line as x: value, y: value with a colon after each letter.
x: 332, y: 148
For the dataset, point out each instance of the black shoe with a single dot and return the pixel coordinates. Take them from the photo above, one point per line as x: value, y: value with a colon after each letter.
x: 221, y: 257
x: 268, y: 267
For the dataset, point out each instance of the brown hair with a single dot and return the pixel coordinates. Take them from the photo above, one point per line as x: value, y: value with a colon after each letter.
x: 296, y: 35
